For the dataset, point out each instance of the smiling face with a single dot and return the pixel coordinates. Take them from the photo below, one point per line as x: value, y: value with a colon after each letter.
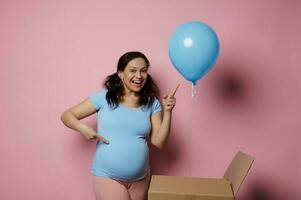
x: 134, y: 75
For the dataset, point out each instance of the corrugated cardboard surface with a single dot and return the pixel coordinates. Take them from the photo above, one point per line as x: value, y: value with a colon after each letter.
x: 188, y: 188
x: 238, y: 170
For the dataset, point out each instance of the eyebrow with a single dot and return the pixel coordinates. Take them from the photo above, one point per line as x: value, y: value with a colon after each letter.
x: 138, y: 67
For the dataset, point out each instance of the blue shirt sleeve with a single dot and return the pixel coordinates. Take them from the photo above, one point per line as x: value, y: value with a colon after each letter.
x: 99, y: 99
x: 156, y: 106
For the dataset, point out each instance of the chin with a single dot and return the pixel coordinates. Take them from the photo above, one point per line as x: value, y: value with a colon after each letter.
x: 135, y: 89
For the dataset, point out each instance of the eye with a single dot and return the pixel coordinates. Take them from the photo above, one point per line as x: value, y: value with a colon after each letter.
x: 144, y: 71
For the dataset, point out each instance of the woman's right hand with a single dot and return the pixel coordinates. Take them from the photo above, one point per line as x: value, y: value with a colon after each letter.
x: 89, y: 133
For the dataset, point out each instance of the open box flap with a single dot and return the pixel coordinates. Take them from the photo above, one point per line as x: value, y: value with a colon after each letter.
x: 238, y: 170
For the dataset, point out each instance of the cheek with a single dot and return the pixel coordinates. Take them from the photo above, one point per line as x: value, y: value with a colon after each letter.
x: 127, y: 77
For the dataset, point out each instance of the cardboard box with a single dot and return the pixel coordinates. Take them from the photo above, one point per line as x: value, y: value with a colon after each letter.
x: 190, y: 188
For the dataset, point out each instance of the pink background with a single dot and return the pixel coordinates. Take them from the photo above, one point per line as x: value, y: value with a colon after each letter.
x: 53, y: 54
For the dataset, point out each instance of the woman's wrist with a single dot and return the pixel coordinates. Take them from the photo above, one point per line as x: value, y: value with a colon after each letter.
x: 167, y: 112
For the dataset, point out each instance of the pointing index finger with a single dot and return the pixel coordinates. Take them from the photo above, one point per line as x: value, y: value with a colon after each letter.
x: 175, y: 90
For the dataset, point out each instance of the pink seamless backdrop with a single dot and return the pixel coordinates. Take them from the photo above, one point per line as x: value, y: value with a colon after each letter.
x: 54, y: 54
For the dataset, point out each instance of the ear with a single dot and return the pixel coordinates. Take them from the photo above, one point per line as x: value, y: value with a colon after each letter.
x: 120, y: 74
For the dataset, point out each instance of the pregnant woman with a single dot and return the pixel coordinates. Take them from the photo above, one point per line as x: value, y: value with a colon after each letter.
x: 128, y: 112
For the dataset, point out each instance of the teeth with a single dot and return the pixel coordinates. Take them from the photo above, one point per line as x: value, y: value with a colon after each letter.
x: 138, y: 82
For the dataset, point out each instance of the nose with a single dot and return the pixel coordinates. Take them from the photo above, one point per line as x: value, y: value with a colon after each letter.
x: 138, y: 74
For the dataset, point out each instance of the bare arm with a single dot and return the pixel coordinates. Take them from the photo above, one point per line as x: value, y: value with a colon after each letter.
x: 161, y: 127
x: 72, y: 116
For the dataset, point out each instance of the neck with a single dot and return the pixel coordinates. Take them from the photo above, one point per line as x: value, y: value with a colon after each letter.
x: 130, y: 95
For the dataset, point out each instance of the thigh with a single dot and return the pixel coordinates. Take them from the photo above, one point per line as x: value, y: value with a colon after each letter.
x: 138, y: 189
x: 109, y: 189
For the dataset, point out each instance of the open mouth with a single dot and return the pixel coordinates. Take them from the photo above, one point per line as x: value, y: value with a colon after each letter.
x: 137, y: 83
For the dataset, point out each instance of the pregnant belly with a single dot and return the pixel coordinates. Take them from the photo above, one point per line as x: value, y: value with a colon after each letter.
x: 125, y: 159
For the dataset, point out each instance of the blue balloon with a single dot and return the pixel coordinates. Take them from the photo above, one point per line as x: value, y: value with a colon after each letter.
x: 193, y: 49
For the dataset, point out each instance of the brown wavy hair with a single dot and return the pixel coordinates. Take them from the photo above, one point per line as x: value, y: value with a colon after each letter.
x: 115, y: 88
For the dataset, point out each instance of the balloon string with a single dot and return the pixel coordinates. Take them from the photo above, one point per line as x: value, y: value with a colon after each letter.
x: 193, y: 90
